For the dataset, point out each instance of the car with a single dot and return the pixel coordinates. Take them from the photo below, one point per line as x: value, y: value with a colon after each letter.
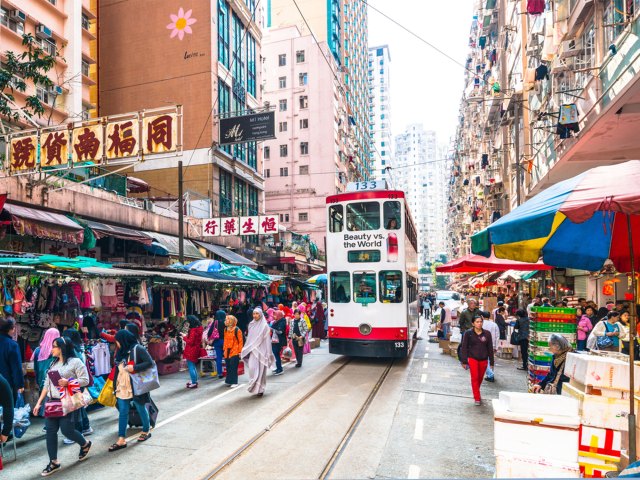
x: 451, y: 299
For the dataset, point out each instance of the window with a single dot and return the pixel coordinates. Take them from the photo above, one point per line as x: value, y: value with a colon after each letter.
x: 11, y: 24
x: 267, y: 153
x: 304, y: 148
x: 304, y: 102
x: 363, y: 256
x: 253, y: 201
x: 282, y: 105
x: 304, y: 169
x: 282, y: 82
x: 390, y: 286
x: 364, y: 287
x: 282, y: 59
x: 340, y: 287
x: 239, y: 56
x: 225, y: 193
x: 336, y: 218
x: 48, y: 45
x: 284, y: 217
x: 303, y: 217
x: 304, y: 123
x: 85, y: 68
x: 85, y: 22
x: 300, y: 56
x: 240, y: 204
x: 284, y: 171
x: 224, y: 105
x: 302, y: 79
x: 53, y: 2
x: 284, y: 151
x: 251, y: 64
x: 223, y: 33
x: 267, y: 173
x: 282, y: 126
x: 43, y: 95
x: 252, y: 155
x: 363, y: 216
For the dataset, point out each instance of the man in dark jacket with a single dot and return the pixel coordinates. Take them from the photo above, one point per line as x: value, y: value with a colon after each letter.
x: 10, y: 358
x: 465, y: 320
x: 279, y: 327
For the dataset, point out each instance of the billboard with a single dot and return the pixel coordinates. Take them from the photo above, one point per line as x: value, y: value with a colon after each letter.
x: 230, y: 226
x: 247, y: 128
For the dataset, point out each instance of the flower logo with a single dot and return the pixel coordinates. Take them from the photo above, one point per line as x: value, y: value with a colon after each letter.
x: 181, y: 23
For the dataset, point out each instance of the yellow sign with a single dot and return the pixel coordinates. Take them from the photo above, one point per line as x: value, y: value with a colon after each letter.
x: 123, y: 139
x: 23, y: 153
x: 87, y: 144
x: 160, y: 133
x: 54, y: 149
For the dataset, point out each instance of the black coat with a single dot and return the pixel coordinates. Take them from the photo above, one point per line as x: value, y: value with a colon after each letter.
x: 522, y: 326
x: 553, y: 373
x: 143, y: 361
x: 280, y: 326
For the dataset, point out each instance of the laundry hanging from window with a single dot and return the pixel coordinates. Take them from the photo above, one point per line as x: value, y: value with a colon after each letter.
x: 535, y: 7
x: 542, y: 73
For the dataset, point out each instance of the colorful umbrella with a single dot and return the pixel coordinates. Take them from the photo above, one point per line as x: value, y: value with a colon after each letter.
x: 317, y: 279
x: 211, y: 266
x: 478, y: 263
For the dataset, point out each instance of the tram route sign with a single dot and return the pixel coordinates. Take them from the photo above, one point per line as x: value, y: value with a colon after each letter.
x: 247, y: 128
x: 367, y: 186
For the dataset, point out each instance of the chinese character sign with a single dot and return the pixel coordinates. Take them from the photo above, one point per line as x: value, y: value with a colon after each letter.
x: 23, y: 153
x: 211, y: 227
x: 87, y: 144
x: 122, y: 139
x: 54, y: 149
x: 249, y: 225
x: 269, y: 224
x: 160, y: 133
x: 228, y: 226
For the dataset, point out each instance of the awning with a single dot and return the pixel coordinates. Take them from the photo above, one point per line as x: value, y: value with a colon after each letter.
x: 41, y: 224
x: 137, y: 185
x: 478, y: 263
x: 230, y: 256
x: 170, y: 245
x: 185, y: 277
x: 102, y: 230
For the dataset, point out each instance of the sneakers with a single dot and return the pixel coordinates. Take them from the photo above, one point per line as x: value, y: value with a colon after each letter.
x: 88, y: 431
x: 278, y: 372
x: 51, y: 468
x: 192, y: 385
x: 84, y: 451
x: 478, y: 403
x: 490, y: 379
x: 66, y: 441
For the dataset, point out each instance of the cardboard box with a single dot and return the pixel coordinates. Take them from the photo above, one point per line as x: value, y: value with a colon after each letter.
x: 596, y: 371
x: 444, y: 345
x: 314, y: 342
x: 601, y: 412
x: 508, y: 466
x: 594, y: 468
x: 167, y: 368
x: 600, y: 443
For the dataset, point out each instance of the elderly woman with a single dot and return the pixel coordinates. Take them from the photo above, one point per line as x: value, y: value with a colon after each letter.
x: 552, y: 383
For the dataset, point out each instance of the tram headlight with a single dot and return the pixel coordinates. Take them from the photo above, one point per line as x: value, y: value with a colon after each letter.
x: 364, y: 329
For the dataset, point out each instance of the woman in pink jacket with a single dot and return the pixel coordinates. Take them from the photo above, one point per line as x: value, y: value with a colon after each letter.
x: 584, y: 327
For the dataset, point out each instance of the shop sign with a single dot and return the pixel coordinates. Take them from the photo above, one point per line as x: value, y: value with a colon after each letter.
x: 233, y: 226
x: 247, y: 128
x: 123, y: 139
x: 23, y: 153
x: 87, y: 144
x: 70, y: 251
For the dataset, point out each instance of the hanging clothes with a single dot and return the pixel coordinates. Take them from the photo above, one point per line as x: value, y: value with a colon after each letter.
x: 535, y: 7
x: 542, y: 73
x: 568, y: 114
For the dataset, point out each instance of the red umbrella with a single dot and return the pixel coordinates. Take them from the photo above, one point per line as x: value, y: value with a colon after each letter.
x: 478, y: 263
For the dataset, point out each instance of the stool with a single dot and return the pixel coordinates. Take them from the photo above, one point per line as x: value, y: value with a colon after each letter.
x: 212, y: 363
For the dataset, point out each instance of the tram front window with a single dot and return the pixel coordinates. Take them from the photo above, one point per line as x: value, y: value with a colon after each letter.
x: 364, y: 287
x: 363, y: 216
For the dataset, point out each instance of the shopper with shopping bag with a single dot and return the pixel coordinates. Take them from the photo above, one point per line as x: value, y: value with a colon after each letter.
x: 298, y: 335
x: 64, y: 378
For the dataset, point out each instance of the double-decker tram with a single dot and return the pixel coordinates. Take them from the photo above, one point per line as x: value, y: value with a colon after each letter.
x: 372, y: 272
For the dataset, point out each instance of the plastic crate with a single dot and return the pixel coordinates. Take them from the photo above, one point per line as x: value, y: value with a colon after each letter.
x: 554, y: 327
x: 554, y: 310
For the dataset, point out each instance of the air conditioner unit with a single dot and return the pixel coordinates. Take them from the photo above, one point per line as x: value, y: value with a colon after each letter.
x: 55, y: 90
x: 19, y: 15
x: 43, y: 32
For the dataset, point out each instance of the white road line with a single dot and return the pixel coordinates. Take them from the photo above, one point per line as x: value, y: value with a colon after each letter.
x: 423, y: 378
x: 425, y: 364
x: 421, y: 397
x: 188, y: 410
x: 414, y: 472
x: 417, y: 434
x: 426, y: 355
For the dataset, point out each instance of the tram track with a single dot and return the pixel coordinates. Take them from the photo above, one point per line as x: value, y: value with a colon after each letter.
x: 337, y: 452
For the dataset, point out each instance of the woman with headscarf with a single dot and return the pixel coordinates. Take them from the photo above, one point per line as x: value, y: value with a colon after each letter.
x: 233, y: 342
x: 130, y: 358
x: 133, y: 328
x: 257, y: 352
x: 559, y: 346
x: 193, y: 348
x: 42, y: 357
x: 214, y: 336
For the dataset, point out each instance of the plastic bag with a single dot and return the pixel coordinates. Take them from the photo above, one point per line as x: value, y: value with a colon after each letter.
x: 21, y: 420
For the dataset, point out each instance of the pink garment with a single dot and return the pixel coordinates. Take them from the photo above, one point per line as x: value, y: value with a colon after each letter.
x: 584, y: 322
x: 270, y: 313
x: 47, y: 341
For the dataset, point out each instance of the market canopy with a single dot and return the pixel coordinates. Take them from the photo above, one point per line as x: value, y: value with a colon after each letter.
x: 55, y: 261
x: 42, y: 224
x: 244, y: 273
x: 478, y: 263
x: 102, y: 230
x: 168, y: 245
x: 229, y: 255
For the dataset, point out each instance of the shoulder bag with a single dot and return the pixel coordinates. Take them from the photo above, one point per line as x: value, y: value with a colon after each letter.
x: 53, y: 406
x: 144, y: 382
x: 604, y: 341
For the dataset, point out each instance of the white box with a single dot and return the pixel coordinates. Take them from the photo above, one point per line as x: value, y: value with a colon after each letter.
x: 601, y: 412
x: 599, y: 371
x: 537, y: 405
x: 551, y: 437
x: 508, y: 466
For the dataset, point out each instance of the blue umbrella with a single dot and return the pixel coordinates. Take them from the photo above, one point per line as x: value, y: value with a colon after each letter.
x: 211, y: 266
x: 320, y: 278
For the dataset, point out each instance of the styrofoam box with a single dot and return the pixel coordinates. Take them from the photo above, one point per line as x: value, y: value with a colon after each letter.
x: 508, y: 466
x: 601, y: 412
x: 552, y: 437
x: 537, y: 405
x: 603, y: 392
x: 598, y: 371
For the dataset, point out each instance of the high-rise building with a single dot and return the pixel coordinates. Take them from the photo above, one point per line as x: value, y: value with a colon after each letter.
x: 342, y: 24
x: 176, y: 57
x: 308, y: 160
x: 381, y: 151
x: 66, y: 29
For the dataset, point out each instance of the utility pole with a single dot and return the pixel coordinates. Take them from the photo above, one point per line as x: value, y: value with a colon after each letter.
x: 516, y: 140
x: 180, y: 216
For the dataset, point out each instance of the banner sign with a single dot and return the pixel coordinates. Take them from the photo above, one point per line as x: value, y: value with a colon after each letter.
x: 231, y: 226
x: 247, y: 128
x: 101, y: 140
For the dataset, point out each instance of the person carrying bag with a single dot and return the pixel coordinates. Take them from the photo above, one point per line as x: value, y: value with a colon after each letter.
x: 297, y: 333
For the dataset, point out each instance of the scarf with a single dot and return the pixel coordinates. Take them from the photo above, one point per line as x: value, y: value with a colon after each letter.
x: 258, y: 343
x: 559, y: 360
x: 46, y: 343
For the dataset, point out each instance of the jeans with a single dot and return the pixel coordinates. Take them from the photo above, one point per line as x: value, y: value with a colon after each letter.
x: 490, y: 373
x: 218, y: 347
x: 193, y: 371
x: 477, y: 369
x: 82, y: 420
x: 277, y: 348
x: 67, y: 425
x: 232, y: 370
x: 582, y: 345
x: 123, y: 407
x: 524, y: 351
x: 446, y: 328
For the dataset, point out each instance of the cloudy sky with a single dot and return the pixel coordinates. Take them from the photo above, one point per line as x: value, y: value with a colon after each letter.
x: 425, y: 85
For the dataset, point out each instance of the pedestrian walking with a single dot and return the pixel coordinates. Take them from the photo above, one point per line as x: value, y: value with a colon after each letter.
x: 42, y: 357
x: 501, y: 322
x: 491, y: 326
x: 130, y: 358
x: 257, y: 352
x: 522, y: 336
x: 584, y: 328
x: 297, y: 333
x: 218, y: 343
x: 467, y: 317
x: 65, y: 366
x: 476, y: 352
x: 606, y: 335
x: 82, y: 419
x: 318, y: 320
x: 559, y: 346
x: 193, y: 349
x: 233, y: 343
x: 7, y: 403
x: 445, y: 319
x: 278, y: 339
x: 10, y: 358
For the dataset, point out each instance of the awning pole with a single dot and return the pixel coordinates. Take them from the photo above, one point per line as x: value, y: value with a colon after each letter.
x: 632, y: 344
x: 180, y: 216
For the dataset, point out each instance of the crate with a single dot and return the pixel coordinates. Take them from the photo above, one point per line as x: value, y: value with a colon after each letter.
x: 167, y: 368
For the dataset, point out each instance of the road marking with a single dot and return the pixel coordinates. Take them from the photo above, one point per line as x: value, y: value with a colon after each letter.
x: 414, y: 472
x: 417, y: 435
x: 423, y: 378
x: 426, y: 355
x: 188, y: 410
x: 421, y: 397
x: 425, y: 365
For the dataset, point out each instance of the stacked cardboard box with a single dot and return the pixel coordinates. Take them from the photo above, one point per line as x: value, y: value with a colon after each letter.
x: 536, y: 436
x: 601, y: 387
x: 544, y: 322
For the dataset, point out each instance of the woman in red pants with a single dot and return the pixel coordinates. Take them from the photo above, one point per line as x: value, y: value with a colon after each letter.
x: 476, y: 350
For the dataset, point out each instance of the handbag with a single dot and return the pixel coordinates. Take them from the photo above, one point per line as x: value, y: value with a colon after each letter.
x: 215, y: 335
x: 72, y: 397
x: 275, y: 338
x: 53, y: 409
x: 604, y: 342
x: 107, y: 395
x: 144, y: 382
x: 514, y: 338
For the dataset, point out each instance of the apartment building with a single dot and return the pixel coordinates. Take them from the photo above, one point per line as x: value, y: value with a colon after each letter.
x: 379, y: 101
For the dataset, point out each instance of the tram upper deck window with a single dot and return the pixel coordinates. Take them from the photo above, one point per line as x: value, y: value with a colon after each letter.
x: 336, y: 218
x: 392, y: 215
x: 363, y: 216
x: 340, y: 287
x: 364, y: 287
x: 391, y: 286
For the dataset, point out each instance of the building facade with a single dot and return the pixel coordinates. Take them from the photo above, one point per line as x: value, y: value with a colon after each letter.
x: 309, y: 159
x: 379, y: 101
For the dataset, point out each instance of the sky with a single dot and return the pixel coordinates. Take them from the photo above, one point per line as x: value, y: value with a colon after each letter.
x: 426, y: 86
